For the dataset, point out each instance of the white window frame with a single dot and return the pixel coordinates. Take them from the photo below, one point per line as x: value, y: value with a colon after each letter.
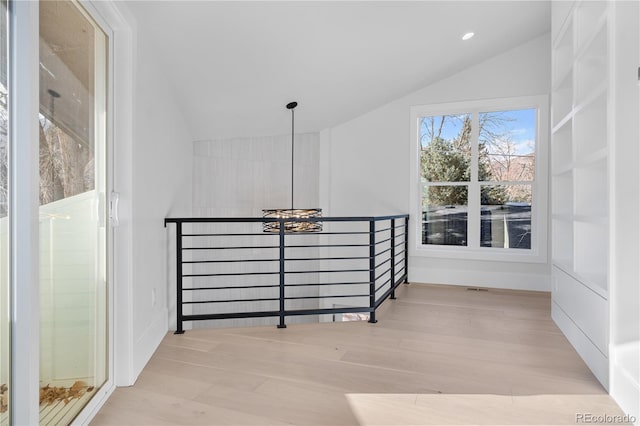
x: 539, y: 187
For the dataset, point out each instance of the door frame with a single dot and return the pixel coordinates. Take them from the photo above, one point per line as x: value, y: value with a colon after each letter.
x: 24, y: 205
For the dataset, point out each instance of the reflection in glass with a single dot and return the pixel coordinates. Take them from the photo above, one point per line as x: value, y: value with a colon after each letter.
x: 73, y: 327
x: 505, y: 219
x: 4, y: 219
x: 444, y: 215
x: 507, y: 142
x: 445, y: 148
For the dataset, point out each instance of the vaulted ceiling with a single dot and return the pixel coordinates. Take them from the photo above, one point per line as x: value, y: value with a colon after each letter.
x: 234, y: 65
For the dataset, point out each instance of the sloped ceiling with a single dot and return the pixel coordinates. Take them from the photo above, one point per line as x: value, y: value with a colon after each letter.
x: 233, y: 66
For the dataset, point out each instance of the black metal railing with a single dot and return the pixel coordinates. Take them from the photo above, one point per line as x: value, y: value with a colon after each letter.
x: 227, y: 268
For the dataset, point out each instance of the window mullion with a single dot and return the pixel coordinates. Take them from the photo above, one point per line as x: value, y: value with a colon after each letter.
x: 473, y: 224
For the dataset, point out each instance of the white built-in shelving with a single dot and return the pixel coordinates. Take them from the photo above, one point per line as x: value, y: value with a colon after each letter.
x: 580, y: 177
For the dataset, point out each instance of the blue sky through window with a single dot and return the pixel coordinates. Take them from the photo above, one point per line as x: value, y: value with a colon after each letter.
x: 519, y: 126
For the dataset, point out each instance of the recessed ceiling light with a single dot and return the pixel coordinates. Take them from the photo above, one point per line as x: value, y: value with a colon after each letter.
x: 467, y: 36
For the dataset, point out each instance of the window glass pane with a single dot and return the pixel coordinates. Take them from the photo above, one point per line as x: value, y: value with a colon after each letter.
x: 444, y: 215
x: 445, y: 148
x: 505, y: 217
x: 507, y: 145
x: 4, y: 219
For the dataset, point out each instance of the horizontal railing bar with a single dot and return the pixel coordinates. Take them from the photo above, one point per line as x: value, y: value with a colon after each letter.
x: 327, y: 271
x: 383, y: 229
x: 325, y: 245
x: 230, y: 261
x: 262, y: 314
x: 400, y: 270
x: 403, y: 251
x: 230, y: 274
x: 271, y: 286
x: 230, y: 248
x: 229, y: 287
x: 383, y: 251
x: 200, y: 302
x: 383, y: 241
x: 401, y: 243
x: 231, y: 315
x: 401, y: 261
x: 385, y: 283
x: 389, y: 291
x: 326, y: 297
x: 328, y: 258
x: 382, y: 263
x: 340, y: 233
x: 268, y: 219
x: 326, y: 284
x: 328, y: 311
x: 383, y: 274
x: 252, y: 234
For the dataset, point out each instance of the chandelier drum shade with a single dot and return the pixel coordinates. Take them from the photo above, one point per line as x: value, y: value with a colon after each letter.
x: 292, y: 213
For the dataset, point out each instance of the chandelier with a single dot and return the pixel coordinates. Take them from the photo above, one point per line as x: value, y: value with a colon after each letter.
x: 292, y: 213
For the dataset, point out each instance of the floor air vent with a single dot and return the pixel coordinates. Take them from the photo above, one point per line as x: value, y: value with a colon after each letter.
x: 477, y: 289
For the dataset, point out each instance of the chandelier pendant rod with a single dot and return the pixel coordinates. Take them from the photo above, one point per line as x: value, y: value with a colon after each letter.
x: 292, y: 133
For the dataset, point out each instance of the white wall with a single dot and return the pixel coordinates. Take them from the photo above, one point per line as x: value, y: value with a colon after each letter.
x: 365, y: 162
x: 161, y: 169
x: 238, y: 178
x: 624, y: 300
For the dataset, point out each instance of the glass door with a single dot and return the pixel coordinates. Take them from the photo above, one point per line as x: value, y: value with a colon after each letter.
x: 73, y: 228
x: 5, y: 349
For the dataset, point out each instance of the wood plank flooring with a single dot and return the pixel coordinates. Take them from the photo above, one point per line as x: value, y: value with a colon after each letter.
x: 438, y: 355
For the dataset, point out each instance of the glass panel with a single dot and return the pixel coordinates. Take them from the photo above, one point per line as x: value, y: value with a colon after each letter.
x: 445, y: 148
x: 505, y: 217
x: 507, y: 145
x: 4, y: 219
x: 444, y: 215
x: 73, y: 326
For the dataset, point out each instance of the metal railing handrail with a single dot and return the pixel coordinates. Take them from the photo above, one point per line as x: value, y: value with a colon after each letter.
x: 390, y: 251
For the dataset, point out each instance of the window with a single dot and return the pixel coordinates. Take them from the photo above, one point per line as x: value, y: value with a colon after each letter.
x: 480, y: 169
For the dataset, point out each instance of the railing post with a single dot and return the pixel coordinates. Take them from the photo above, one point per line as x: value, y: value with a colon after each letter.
x: 406, y: 250
x: 393, y: 258
x: 179, y: 329
x: 372, y: 270
x: 282, y: 275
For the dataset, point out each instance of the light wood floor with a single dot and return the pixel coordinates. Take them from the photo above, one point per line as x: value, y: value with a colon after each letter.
x: 438, y: 355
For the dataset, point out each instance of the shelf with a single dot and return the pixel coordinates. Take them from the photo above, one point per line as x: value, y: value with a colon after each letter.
x: 592, y: 219
x: 562, y: 59
x: 562, y: 194
x: 561, y: 19
x: 562, y: 100
x: 561, y: 149
x: 590, y: 127
x: 591, y: 67
x: 591, y: 256
x: 592, y: 158
x: 590, y: 17
x: 562, y: 243
x: 591, y: 190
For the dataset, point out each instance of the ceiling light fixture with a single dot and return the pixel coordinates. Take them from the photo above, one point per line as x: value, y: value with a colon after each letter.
x: 311, y: 226
x: 467, y: 36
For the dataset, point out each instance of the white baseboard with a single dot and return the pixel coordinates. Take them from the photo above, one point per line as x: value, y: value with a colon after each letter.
x: 597, y: 362
x: 475, y: 278
x: 625, y: 386
x: 149, y: 341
